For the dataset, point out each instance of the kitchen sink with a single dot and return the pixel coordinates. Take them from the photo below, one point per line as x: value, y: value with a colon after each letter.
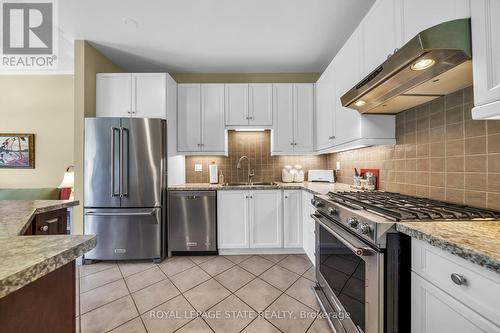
x: 252, y: 184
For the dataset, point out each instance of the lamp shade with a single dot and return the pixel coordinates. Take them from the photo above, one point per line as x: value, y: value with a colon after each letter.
x: 68, y: 180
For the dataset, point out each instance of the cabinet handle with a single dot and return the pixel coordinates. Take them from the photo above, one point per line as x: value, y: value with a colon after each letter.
x: 458, y: 279
x: 286, y: 196
x: 44, y: 228
x: 332, y: 137
x: 251, y: 197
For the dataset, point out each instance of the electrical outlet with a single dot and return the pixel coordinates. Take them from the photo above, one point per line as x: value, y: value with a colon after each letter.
x: 198, y: 168
x: 338, y: 165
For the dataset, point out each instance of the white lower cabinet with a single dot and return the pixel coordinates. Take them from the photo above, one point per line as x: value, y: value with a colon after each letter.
x: 292, y: 214
x: 450, y: 294
x: 260, y: 219
x: 250, y: 219
x: 233, y: 220
x: 266, y: 226
x: 308, y: 227
x: 434, y: 311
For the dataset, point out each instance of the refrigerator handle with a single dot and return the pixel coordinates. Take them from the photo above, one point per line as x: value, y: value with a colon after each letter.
x: 113, y: 164
x: 123, y: 139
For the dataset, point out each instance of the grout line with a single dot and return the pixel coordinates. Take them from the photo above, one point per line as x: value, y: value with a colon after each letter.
x: 130, y: 294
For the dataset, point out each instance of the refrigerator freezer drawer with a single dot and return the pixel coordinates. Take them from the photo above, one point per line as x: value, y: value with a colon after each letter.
x: 192, y: 221
x: 124, y: 233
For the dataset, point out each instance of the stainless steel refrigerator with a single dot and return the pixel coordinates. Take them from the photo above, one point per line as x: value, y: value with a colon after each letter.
x: 125, y: 187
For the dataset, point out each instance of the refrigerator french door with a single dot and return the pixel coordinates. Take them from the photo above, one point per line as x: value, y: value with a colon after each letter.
x: 125, y: 187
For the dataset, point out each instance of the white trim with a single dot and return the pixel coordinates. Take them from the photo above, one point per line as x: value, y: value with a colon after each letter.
x: 260, y: 251
x: 490, y: 111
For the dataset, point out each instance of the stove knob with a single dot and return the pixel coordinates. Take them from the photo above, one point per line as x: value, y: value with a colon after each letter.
x: 318, y: 204
x: 332, y: 211
x: 364, y: 228
x: 352, y: 222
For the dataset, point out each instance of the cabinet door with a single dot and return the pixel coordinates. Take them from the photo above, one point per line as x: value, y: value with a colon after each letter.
x: 486, y: 51
x: 303, y: 113
x: 381, y: 33
x: 308, y: 226
x: 325, y: 109
x: 232, y: 219
x: 283, y: 117
x: 212, y: 113
x: 346, y: 68
x: 149, y: 95
x: 113, y: 95
x: 434, y: 311
x: 292, y: 217
x: 236, y: 104
x: 266, y: 219
x: 260, y: 111
x: 422, y: 14
x: 188, y: 117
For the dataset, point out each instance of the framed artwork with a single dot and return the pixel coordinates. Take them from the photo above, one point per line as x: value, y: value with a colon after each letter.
x: 17, y: 151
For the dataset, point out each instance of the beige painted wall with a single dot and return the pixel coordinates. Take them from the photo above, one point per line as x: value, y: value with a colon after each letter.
x: 88, y: 62
x: 246, y: 77
x: 43, y: 105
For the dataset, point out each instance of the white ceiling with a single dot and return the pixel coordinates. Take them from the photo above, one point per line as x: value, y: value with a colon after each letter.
x: 209, y: 36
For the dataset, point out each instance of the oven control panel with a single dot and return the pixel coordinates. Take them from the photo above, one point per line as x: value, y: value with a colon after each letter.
x: 346, y: 217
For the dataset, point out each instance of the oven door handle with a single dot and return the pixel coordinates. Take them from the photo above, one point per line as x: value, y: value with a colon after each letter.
x: 359, y: 251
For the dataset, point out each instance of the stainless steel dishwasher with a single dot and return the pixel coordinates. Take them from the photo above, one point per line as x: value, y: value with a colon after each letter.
x: 192, y: 221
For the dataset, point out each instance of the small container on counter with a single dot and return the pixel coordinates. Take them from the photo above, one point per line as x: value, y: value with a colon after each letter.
x: 286, y: 174
x: 298, y: 176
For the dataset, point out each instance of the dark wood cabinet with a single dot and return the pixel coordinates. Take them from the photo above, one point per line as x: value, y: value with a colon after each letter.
x: 50, y: 223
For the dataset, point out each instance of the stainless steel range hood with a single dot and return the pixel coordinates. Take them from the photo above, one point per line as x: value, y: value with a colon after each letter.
x: 434, y: 63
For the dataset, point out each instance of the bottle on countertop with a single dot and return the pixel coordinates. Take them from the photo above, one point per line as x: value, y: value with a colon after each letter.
x: 212, y: 170
x: 221, y: 178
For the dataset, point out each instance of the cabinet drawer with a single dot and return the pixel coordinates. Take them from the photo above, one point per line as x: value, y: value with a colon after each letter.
x: 50, y: 223
x: 479, y: 291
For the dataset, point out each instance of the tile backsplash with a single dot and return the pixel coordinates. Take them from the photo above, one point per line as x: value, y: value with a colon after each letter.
x: 440, y: 153
x: 257, y: 146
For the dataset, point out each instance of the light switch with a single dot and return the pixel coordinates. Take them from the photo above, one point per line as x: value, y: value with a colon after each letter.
x: 198, y: 168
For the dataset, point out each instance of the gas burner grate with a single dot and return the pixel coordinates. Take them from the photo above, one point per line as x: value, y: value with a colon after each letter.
x: 401, y: 207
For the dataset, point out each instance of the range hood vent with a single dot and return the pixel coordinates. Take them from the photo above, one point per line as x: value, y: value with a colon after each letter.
x: 434, y: 63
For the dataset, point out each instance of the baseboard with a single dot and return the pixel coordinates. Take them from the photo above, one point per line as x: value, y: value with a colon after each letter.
x: 260, y: 251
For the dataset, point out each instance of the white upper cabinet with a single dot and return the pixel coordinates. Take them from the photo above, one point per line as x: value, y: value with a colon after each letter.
x: 113, y: 95
x: 292, y: 218
x: 422, y: 14
x: 141, y: 95
x: 380, y: 33
x: 485, y: 21
x: 213, y: 133
x: 249, y: 104
x: 346, y: 67
x: 266, y: 220
x: 293, y: 112
x: 283, y: 117
x: 149, y: 95
x: 200, y: 118
x: 260, y: 108
x: 236, y: 104
x: 303, y: 113
x: 325, y: 109
x: 188, y: 117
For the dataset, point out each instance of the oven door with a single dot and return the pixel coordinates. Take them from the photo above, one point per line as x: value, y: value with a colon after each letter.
x: 350, y: 275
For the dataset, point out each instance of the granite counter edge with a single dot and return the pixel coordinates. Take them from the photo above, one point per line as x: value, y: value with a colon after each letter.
x: 453, y: 248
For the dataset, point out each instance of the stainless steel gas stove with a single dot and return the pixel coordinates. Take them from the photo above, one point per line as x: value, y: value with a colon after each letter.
x: 363, y: 264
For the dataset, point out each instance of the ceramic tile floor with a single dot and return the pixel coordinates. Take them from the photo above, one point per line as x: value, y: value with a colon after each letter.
x: 267, y: 293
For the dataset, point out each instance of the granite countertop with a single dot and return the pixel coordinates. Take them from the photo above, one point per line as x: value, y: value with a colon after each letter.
x: 25, y: 259
x: 475, y: 241
x: 312, y: 187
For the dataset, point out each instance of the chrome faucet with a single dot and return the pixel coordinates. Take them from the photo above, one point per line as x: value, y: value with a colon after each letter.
x: 251, y: 172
